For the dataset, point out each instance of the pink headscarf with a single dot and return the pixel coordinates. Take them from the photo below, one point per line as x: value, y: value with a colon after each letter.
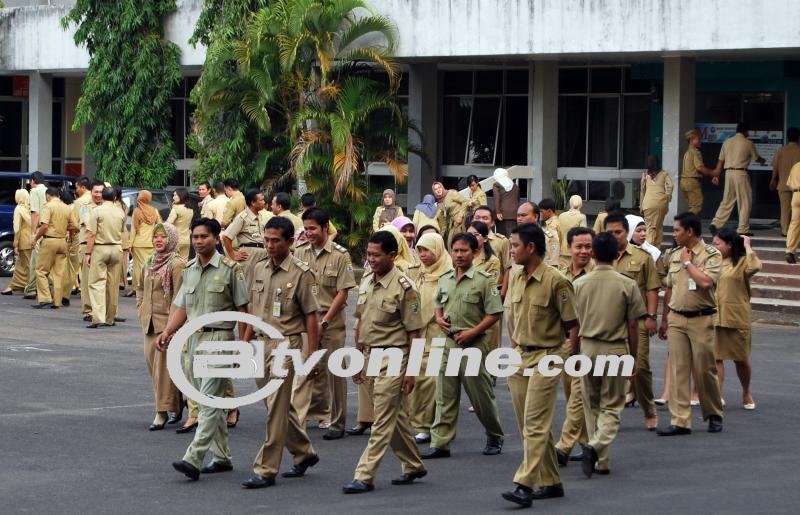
x: 401, y: 222
x: 160, y: 263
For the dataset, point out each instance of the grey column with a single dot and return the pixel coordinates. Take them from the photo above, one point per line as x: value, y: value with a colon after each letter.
x: 40, y: 123
x: 679, y: 96
x: 423, y: 110
x: 542, y: 128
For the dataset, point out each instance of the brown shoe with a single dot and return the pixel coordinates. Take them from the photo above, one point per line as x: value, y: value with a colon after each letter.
x: 651, y: 423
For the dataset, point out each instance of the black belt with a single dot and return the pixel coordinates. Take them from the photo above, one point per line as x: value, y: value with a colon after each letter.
x: 252, y: 245
x: 54, y: 237
x: 693, y: 314
x: 695, y: 178
x: 82, y: 243
x: 796, y: 191
x: 743, y: 169
x: 108, y: 243
x: 212, y: 329
x: 531, y: 348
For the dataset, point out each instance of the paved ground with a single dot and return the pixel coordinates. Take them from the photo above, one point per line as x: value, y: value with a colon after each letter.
x: 76, y: 404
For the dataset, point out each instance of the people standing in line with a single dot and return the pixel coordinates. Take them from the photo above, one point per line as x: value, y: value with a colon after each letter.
x: 733, y: 320
x: 506, y: 201
x: 785, y: 158
x: 386, y: 212
x: 611, y: 331
x: 56, y: 223
x: 204, y: 192
x: 409, y: 232
x: 477, y: 197
x: 436, y: 262
x: 793, y: 233
x: 552, y: 231
x: 610, y: 206
x: 211, y: 283
x: 451, y: 210
x: 215, y: 208
x: 72, y: 270
x: 688, y: 325
x: 655, y: 194
x: 37, y: 202
x: 425, y: 213
x: 103, y: 256
x: 157, y: 284
x: 281, y: 205
x: 388, y: 315
x: 181, y: 217
x: 235, y: 204
x: 540, y: 289
x: 22, y: 242
x: 735, y: 156
x: 247, y: 230
x: 144, y: 220
x: 693, y: 171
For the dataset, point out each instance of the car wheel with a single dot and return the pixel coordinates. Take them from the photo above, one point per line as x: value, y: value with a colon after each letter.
x: 7, y: 258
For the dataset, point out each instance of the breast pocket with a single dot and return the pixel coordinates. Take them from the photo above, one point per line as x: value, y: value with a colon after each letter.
x: 191, y: 297
x: 387, y: 312
x: 329, y: 276
x: 289, y: 308
x: 472, y: 298
x: 538, y: 308
x: 215, y: 293
x: 633, y: 271
x: 257, y: 294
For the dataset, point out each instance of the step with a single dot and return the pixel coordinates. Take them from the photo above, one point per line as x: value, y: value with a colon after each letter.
x: 782, y: 280
x: 775, y: 292
x: 779, y: 267
x: 791, y: 307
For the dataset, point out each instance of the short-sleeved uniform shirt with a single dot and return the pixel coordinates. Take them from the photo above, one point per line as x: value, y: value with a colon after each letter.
x: 107, y: 223
x: 219, y: 286
x: 785, y: 158
x: 737, y: 152
x: 686, y: 295
x: 552, y: 237
x: 58, y: 217
x: 387, y: 310
x: 540, y: 304
x: 236, y: 204
x: 333, y: 269
x: 639, y: 266
x: 620, y: 300
x: 215, y: 208
x: 296, y: 221
x: 82, y: 207
x: 246, y: 228
x: 502, y: 249
x: 38, y: 198
x: 567, y: 270
x: 466, y: 301
x: 283, y: 295
x: 692, y: 161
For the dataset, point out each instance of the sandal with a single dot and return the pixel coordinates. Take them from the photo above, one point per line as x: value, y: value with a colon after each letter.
x: 235, y: 420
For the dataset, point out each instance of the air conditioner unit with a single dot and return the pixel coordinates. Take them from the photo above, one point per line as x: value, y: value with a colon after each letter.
x: 626, y: 191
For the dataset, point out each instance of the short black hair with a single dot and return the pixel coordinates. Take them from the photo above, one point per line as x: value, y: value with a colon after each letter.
x: 206, y: 184
x: 118, y: 193
x: 96, y: 183
x: 283, y: 199
x: 612, y: 204
x: 742, y: 127
x: 251, y: 196
x: 66, y: 196
x: 219, y: 187
x: 578, y: 231
x: 547, y: 203
x: 386, y: 240
x: 308, y: 200
x: 473, y: 178
x: 605, y: 247
x: 317, y: 214
x: 51, y: 191
x: 231, y: 183
x: 109, y: 194
x: 531, y: 233
x: 736, y: 242
x: 83, y: 181
x: 616, y: 217
x: 283, y: 224
x: 793, y: 134
x: 38, y: 177
x: 470, y: 240
x: 689, y: 220
x: 209, y: 223
x: 486, y: 208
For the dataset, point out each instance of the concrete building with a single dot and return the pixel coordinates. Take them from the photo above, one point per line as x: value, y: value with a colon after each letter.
x: 580, y: 90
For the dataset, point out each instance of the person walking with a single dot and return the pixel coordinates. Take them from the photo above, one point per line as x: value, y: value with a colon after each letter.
x: 506, y: 201
x: 693, y: 171
x: 785, y: 158
x: 793, y: 232
x: 386, y: 212
x: 181, y: 217
x: 145, y: 217
x: 22, y: 242
x: 655, y: 194
x: 103, y: 256
x: 56, y: 223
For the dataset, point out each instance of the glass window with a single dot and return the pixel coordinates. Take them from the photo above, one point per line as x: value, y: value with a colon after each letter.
x: 177, y: 124
x: 717, y: 107
x: 10, y: 166
x: 572, y: 131
x: 456, y: 129
x: 58, y: 87
x: 57, y: 131
x: 517, y: 81
x: 515, y: 127
x: 633, y: 84
x: 8, y: 189
x: 573, y: 80
x: 763, y: 111
x: 6, y: 85
x: 606, y: 80
x: 635, y: 130
x: 483, y: 130
x: 11, y: 129
x: 603, y: 125
x: 489, y: 82
x: 458, y: 83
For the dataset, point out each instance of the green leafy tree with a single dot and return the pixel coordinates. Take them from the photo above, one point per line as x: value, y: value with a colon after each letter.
x: 133, y: 71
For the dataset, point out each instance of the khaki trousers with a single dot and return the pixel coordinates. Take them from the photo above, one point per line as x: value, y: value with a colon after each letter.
x: 691, y: 352
x: 86, y: 302
x: 365, y: 412
x: 21, y: 271
x: 166, y: 395
x: 534, y: 401
x: 30, y: 288
x: 51, y: 263
x: 284, y: 428
x: 139, y: 255
x: 391, y: 427
x: 643, y: 380
x: 311, y: 396
x: 693, y: 192
x: 793, y: 233
x: 249, y: 264
x: 422, y: 401
x: 72, y: 269
x: 331, y: 387
x: 603, y: 400
x: 654, y: 220
x: 104, y: 282
x: 573, y: 430
x: 785, y: 197
x: 739, y: 193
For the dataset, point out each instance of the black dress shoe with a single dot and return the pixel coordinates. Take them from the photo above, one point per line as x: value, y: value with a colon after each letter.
x: 714, y: 424
x: 299, y: 469
x: 94, y: 325
x: 520, y: 495
x: 174, y: 418
x: 333, y: 435
x: 602, y: 472
x: 29, y: 297
x: 408, y: 477
x: 187, y: 469
x: 256, y: 481
x: 215, y: 467
x: 117, y: 319
x: 562, y: 457
x: 493, y: 447
x: 577, y: 457
x: 65, y: 303
x: 358, y: 429
x: 674, y: 431
x: 357, y: 487
x: 790, y: 258
x: 7, y: 292
x: 40, y: 305
x: 87, y: 318
x: 589, y: 459
x: 548, y: 492
x: 156, y: 427
x: 748, y: 234
x: 186, y: 429
x: 435, y: 452
x: 53, y: 306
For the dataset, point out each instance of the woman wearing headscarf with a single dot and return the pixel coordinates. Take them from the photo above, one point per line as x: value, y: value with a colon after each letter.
x: 181, y: 216
x: 638, y: 236
x: 506, y: 201
x: 145, y: 218
x: 158, y: 283
x: 569, y: 219
x: 435, y: 263
x: 22, y: 242
x: 451, y: 212
x: 409, y: 232
x: 426, y: 212
x: 384, y: 214
x: 655, y: 194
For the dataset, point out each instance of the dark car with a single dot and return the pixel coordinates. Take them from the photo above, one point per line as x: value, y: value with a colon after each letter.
x: 10, y: 182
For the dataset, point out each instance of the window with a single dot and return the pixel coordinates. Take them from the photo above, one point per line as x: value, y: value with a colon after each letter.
x: 182, y: 117
x: 603, y: 131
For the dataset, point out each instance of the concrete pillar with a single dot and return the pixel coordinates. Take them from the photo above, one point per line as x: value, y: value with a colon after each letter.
x: 542, y: 128
x: 40, y: 123
x: 423, y: 110
x: 74, y: 141
x: 679, y: 94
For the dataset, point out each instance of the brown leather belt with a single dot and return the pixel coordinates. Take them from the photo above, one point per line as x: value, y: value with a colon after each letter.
x: 694, y: 314
x: 252, y: 245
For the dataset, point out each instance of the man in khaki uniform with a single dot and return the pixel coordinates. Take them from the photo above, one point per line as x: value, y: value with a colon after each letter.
x: 542, y: 307
x: 528, y: 213
x: 735, y: 155
x: 334, y: 270
x: 37, y: 201
x: 284, y: 294
x: 236, y: 202
x: 211, y: 283
x: 56, y: 223
x: 103, y: 257
x: 215, y: 208
x: 76, y: 250
x: 785, y: 158
x: 688, y: 325
x: 693, y: 171
x: 281, y: 203
x: 552, y: 232
x: 637, y: 264
x: 793, y: 233
x: 573, y: 430
x: 247, y: 230
x: 84, y: 207
x: 467, y: 304
x: 603, y: 332
x: 388, y: 314
x: 307, y: 201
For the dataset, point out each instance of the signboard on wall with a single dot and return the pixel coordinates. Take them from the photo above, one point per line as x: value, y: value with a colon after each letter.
x: 766, y: 142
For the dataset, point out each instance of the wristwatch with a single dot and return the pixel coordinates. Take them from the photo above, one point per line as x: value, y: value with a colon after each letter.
x: 652, y: 316
x: 686, y: 264
x: 324, y: 323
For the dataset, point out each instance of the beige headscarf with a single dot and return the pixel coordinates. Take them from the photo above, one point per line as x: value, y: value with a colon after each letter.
x: 428, y: 280
x: 23, y: 200
x: 404, y: 258
x: 575, y: 203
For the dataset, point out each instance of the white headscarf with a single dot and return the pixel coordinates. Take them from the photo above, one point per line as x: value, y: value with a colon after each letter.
x: 501, y: 176
x: 634, y: 222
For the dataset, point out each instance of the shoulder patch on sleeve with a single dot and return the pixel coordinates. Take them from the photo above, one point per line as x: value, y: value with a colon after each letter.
x: 563, y: 295
x: 711, y: 249
x: 340, y: 248
x: 485, y: 274
x: 302, y: 264
x: 404, y: 282
x: 228, y: 262
x: 191, y: 262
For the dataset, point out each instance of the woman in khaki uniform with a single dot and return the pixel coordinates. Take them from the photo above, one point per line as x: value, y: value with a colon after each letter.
x: 145, y: 218
x: 486, y: 260
x: 732, y: 324
x: 426, y: 213
x: 451, y: 212
x: 22, y: 242
x: 655, y: 194
x: 181, y: 217
x: 477, y: 197
x: 435, y: 263
x: 387, y: 212
x: 159, y: 281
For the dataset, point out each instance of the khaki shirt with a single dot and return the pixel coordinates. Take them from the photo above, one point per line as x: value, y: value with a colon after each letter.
x: 246, y: 228
x: 655, y: 193
x: 620, y: 298
x: 181, y: 217
x: 334, y: 271
x: 477, y: 198
x: 82, y: 207
x: 283, y: 295
x: 215, y: 208
x: 785, y: 158
x: 692, y: 161
x: 567, y: 220
x: 491, y: 266
x: 540, y: 304
x: 22, y: 229
x: 296, y: 221
x: 639, y: 266
x: 686, y: 295
x: 58, y: 217
x: 501, y: 247
x: 793, y: 182
x: 153, y: 305
x: 387, y: 310
x: 733, y: 292
x: 219, y: 286
x: 737, y: 152
x: 452, y: 209
x: 38, y: 198
x: 107, y: 223
x: 235, y: 205
x: 599, y: 222
x: 466, y: 301
x: 552, y: 236
x: 567, y: 270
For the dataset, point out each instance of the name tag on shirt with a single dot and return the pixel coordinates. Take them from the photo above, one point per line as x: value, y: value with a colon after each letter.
x: 692, y: 285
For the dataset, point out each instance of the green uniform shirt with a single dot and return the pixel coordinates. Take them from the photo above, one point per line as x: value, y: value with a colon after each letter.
x: 219, y: 286
x: 468, y: 300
